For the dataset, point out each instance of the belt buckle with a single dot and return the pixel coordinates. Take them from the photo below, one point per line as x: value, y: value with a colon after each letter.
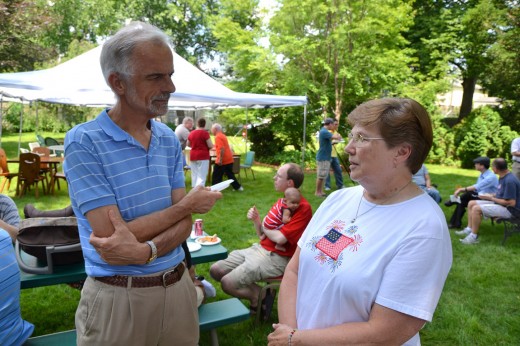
x: 166, y: 274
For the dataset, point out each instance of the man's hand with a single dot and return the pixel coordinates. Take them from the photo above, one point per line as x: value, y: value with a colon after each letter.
x: 458, y: 191
x: 486, y: 196
x: 200, y: 199
x: 122, y: 247
x: 252, y: 214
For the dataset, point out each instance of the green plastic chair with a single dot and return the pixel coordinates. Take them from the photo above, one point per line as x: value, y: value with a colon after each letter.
x: 51, y: 141
x: 40, y: 140
x: 248, y: 163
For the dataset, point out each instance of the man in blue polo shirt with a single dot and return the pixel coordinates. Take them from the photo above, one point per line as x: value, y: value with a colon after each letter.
x: 124, y: 169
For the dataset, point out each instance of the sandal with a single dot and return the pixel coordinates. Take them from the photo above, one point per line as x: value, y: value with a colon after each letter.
x: 267, y: 304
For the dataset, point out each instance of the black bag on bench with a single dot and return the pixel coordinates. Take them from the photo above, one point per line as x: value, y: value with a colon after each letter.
x: 52, y: 240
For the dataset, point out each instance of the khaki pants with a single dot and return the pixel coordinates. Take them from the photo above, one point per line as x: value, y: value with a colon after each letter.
x: 110, y: 315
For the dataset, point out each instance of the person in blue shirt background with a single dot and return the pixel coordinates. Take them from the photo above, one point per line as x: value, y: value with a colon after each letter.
x: 13, y: 329
x: 323, y: 156
x: 492, y: 206
x: 422, y: 179
x: 487, y: 183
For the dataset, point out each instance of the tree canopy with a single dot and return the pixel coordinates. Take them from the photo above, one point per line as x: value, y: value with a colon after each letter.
x: 338, y: 53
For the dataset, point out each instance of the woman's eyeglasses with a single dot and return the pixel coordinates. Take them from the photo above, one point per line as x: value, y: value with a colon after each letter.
x: 360, y: 139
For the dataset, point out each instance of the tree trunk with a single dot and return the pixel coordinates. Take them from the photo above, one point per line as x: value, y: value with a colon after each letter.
x: 468, y: 89
x: 180, y: 116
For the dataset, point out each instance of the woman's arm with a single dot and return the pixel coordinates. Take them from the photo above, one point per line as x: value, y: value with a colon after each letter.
x: 209, y: 143
x: 287, y: 297
x: 384, y: 327
x: 427, y: 180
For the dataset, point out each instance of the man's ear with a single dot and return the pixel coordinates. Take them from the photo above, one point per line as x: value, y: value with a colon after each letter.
x: 117, y: 84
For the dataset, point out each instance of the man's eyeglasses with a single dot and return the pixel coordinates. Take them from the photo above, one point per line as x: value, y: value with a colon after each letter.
x: 278, y: 176
x: 360, y: 139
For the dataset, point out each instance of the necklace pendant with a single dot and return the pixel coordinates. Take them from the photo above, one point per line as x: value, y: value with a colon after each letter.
x: 353, y: 220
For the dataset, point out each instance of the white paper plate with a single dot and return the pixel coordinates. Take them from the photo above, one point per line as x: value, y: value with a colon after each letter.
x: 221, y: 186
x: 200, y: 240
x: 193, y: 246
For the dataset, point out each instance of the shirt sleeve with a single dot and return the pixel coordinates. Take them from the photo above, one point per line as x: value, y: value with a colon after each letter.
x: 85, y: 171
x: 412, y: 282
x: 218, y: 144
x: 510, y: 188
x: 9, y: 212
x: 488, y: 180
x: 326, y: 134
x: 515, y: 145
x: 299, y: 221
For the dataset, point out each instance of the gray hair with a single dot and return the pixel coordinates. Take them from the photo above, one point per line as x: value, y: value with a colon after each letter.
x: 186, y: 119
x: 217, y: 127
x: 117, y: 51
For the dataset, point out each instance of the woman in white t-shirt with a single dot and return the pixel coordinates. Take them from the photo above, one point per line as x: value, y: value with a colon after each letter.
x: 371, y: 264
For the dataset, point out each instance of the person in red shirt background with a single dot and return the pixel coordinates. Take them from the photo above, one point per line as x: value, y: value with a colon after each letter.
x: 239, y: 272
x: 200, y: 144
x: 224, y: 159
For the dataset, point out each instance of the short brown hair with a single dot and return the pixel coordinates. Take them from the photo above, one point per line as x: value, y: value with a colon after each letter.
x: 295, y: 173
x: 399, y: 120
x: 500, y: 164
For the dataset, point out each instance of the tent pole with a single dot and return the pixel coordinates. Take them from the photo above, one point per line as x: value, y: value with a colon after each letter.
x: 246, y: 128
x: 304, y: 134
x: 36, y: 108
x: 20, y: 132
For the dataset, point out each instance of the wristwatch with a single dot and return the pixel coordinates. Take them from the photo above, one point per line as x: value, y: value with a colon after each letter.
x: 153, y: 257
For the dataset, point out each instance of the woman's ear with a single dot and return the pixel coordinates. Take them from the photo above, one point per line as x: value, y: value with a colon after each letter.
x: 403, y: 152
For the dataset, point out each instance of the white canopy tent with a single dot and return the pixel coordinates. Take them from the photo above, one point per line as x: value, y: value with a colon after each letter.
x: 80, y: 82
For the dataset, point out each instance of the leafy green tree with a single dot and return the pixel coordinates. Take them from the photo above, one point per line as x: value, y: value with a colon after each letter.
x: 248, y: 65
x: 22, y: 28
x: 453, y: 36
x: 482, y: 134
x: 341, y: 53
x: 502, y: 75
x: 80, y: 20
x: 185, y: 21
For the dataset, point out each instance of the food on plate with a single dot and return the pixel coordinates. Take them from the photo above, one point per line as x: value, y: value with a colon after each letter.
x: 209, y: 239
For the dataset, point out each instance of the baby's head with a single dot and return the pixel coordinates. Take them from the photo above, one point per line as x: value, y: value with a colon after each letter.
x: 292, y: 198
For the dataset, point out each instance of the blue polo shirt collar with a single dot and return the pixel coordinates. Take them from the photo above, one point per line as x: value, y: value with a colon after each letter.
x: 118, y: 134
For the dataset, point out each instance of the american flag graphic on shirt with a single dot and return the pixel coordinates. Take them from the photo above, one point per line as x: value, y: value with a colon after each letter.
x: 333, y: 243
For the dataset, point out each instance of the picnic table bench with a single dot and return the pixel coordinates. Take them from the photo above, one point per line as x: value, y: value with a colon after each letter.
x: 211, y: 316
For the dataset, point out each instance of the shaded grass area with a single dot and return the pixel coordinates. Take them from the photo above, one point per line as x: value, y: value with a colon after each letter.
x: 479, y: 306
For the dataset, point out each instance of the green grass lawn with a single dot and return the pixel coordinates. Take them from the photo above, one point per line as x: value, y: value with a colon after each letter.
x: 480, y: 304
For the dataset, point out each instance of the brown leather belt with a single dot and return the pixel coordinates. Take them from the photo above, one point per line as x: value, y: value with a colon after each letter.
x: 166, y: 279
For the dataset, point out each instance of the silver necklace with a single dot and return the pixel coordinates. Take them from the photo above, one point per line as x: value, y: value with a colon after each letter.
x: 376, y: 205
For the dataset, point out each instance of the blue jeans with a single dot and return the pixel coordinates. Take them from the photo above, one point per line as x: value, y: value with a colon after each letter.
x: 433, y: 192
x: 338, y: 174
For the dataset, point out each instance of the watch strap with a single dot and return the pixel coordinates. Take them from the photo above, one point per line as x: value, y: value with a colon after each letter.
x: 153, y: 256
